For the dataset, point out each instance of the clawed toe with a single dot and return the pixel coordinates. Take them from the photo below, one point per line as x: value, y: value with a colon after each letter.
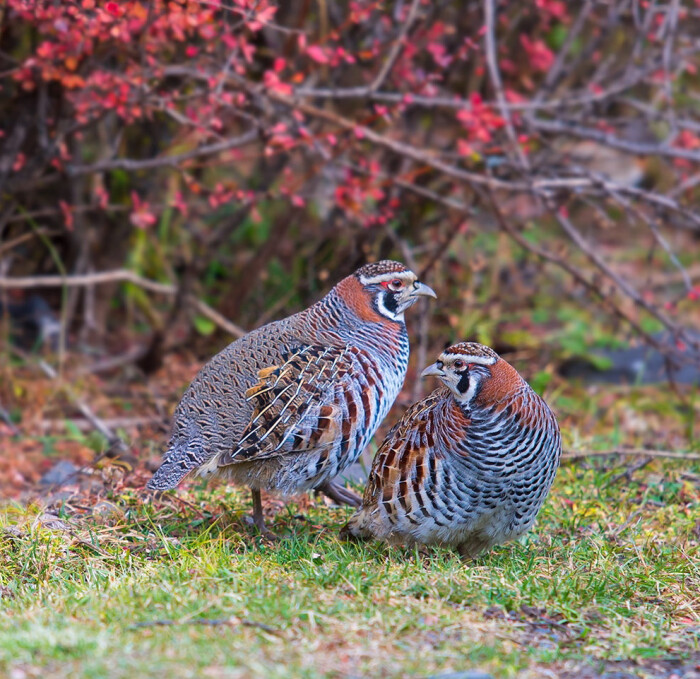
x: 268, y: 535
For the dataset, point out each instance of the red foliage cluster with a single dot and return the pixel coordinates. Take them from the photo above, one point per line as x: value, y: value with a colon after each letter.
x: 189, y: 65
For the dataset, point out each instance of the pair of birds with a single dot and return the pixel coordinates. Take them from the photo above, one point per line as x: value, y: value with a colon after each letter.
x: 289, y: 406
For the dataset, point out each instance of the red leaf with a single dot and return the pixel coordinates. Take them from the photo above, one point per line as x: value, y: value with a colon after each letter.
x: 141, y: 217
x: 67, y: 214
x: 541, y: 57
x: 317, y: 54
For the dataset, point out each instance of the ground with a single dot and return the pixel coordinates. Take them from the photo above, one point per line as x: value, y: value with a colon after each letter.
x: 100, y: 578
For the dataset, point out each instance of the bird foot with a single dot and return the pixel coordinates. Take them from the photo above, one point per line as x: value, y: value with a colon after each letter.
x: 267, y: 535
x: 259, y: 519
x: 259, y: 523
x: 341, y: 495
x: 468, y: 554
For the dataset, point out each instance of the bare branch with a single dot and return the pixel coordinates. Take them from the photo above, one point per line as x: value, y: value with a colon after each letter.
x: 396, y: 48
x: 621, y: 283
x: 613, y: 141
x: 119, y: 276
x: 115, y: 442
x: 134, y: 165
x: 495, y: 73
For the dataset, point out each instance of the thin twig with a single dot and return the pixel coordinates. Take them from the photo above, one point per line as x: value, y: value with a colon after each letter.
x: 115, y: 442
x: 215, y: 317
x: 119, y: 276
x: 590, y: 285
x: 620, y: 282
x: 627, y: 474
x: 5, y: 415
x: 113, y: 362
x: 542, y: 186
x: 577, y: 454
x: 134, y: 165
x: 554, y: 73
x: 6, y: 247
x: 613, y: 141
x: 113, y: 439
x: 396, y: 48
x: 495, y: 73
x: 662, y: 280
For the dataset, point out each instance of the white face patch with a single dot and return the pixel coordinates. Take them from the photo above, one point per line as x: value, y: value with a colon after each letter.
x: 408, y: 278
x: 469, y: 394
x: 453, y: 376
x: 385, y: 312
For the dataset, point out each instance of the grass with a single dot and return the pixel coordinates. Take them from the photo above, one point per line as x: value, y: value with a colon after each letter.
x: 609, y: 577
x: 181, y: 586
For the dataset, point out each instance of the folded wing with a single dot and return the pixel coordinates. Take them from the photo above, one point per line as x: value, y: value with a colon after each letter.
x: 305, y: 403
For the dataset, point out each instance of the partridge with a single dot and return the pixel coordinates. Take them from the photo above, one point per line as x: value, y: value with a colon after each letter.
x: 469, y: 466
x: 290, y: 405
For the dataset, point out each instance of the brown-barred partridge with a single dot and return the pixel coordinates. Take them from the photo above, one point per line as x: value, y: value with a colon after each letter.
x: 290, y: 405
x: 469, y: 466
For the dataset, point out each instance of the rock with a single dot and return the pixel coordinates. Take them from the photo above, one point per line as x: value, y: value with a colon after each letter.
x: 33, y: 324
x: 13, y: 532
x: 633, y: 365
x: 62, y: 472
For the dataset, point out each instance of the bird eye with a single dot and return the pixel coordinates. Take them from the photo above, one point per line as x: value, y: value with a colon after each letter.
x: 459, y: 364
x: 396, y: 284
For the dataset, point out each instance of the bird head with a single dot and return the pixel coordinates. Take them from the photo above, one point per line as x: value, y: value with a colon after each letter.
x: 467, y: 368
x: 391, y: 287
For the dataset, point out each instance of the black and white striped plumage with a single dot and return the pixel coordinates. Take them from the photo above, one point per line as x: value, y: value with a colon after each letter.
x: 469, y: 466
x: 290, y: 405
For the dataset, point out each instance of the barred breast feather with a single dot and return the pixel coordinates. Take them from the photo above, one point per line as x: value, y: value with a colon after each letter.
x: 470, y: 476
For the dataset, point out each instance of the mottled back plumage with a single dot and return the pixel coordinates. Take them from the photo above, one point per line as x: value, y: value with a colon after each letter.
x: 290, y: 405
x: 468, y: 466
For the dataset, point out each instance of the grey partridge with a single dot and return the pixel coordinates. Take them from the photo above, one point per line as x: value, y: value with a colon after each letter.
x: 290, y: 405
x: 469, y: 466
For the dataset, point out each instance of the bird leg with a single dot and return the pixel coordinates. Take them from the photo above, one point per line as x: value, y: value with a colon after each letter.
x: 258, y: 518
x: 340, y: 494
x: 468, y: 551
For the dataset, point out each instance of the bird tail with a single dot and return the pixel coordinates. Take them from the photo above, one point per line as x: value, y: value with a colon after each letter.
x: 177, y: 464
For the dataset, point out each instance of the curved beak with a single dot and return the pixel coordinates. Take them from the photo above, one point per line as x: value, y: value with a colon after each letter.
x: 422, y: 289
x: 433, y: 371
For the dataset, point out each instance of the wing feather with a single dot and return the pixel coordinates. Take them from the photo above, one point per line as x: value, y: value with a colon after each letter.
x: 297, y: 404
